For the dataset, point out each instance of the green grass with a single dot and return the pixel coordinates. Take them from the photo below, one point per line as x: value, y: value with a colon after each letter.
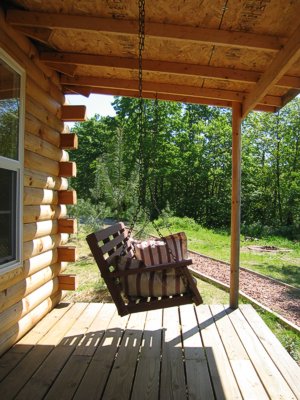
x: 284, y: 266
x: 288, y: 338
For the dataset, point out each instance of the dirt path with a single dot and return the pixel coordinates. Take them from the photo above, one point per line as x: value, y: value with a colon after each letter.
x: 280, y: 298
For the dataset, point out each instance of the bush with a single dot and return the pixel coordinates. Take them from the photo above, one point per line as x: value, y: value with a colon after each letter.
x: 89, y: 214
x: 258, y: 230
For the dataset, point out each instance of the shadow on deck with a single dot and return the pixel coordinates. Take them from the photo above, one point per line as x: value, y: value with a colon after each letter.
x: 86, y: 351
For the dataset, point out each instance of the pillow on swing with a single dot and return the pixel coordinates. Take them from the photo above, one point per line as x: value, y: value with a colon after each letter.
x: 160, y: 251
x: 148, y: 284
x: 150, y: 252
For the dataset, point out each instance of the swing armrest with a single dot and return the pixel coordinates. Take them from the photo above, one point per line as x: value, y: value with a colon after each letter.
x: 152, y: 268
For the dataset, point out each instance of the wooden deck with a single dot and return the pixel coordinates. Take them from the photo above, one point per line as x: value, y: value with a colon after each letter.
x: 86, y: 351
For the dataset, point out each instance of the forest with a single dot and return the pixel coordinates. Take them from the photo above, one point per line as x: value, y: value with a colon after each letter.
x: 176, y: 160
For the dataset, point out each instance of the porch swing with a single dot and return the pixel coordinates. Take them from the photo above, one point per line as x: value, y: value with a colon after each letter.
x: 149, y: 275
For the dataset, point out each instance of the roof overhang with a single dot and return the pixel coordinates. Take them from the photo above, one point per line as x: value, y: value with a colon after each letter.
x: 224, y: 52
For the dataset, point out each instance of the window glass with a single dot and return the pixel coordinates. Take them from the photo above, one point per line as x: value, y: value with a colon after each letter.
x: 8, y: 182
x: 9, y: 111
x: 11, y: 161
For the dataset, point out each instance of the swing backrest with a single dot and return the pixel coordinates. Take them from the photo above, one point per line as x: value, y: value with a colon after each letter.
x: 105, y: 245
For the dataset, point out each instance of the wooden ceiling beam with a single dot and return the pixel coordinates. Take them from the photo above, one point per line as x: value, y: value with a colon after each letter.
x: 161, y: 96
x: 157, y: 87
x: 282, y: 62
x: 130, y: 27
x: 66, y: 69
x: 40, y: 34
x: 204, y: 71
x: 150, y: 95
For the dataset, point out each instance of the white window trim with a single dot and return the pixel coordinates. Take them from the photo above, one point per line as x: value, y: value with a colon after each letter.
x: 17, y: 166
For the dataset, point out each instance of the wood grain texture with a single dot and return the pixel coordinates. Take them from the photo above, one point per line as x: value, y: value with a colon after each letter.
x: 86, y: 351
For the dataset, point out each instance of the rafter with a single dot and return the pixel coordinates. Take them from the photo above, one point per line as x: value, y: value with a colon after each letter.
x: 280, y: 65
x: 66, y: 69
x: 130, y: 27
x: 155, y: 87
x: 163, y: 67
x: 40, y: 34
x: 85, y: 91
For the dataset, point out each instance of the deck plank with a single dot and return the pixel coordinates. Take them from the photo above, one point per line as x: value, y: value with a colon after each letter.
x: 27, y: 367
x: 284, y: 362
x: 121, y: 377
x: 245, y: 374
x: 66, y: 383
x: 10, y: 359
x: 274, y: 383
x: 93, y: 383
x: 173, y: 385
x: 224, y: 382
x: 198, y: 380
x: 50, y: 368
x: 146, y: 383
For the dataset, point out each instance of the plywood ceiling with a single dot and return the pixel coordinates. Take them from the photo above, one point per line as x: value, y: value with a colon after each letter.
x: 199, y: 51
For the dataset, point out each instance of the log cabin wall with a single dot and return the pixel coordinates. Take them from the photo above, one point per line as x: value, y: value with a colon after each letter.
x: 29, y: 292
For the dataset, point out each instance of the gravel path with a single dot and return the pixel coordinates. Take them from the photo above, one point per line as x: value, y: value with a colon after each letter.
x: 280, y: 298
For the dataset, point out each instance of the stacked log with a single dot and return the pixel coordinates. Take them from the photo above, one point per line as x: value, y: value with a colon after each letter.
x: 29, y: 291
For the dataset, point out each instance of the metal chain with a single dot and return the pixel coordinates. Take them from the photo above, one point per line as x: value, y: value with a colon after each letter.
x: 141, y: 131
x: 141, y: 127
x: 152, y: 195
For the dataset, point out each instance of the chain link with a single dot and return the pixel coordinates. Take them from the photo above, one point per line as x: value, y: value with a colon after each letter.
x: 141, y: 130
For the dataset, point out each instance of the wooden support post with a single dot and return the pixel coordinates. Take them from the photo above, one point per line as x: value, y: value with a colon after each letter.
x: 235, y: 204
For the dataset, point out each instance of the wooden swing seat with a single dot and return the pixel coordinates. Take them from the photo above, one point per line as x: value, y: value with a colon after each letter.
x: 113, y: 241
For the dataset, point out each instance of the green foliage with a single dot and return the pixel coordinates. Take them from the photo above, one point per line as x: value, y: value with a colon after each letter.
x: 182, y: 162
x: 9, y: 127
x: 271, y: 172
x: 114, y: 185
x: 91, y: 215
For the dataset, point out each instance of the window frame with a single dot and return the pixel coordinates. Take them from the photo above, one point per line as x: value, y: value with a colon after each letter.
x: 17, y: 166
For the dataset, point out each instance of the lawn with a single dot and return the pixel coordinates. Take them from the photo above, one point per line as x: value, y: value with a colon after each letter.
x: 283, y: 265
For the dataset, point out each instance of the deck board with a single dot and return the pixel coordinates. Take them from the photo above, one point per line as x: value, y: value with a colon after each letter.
x: 286, y: 365
x: 67, y: 381
x: 146, y: 382
x: 86, y: 351
x: 11, y: 359
x: 24, y: 371
x: 94, y: 381
x: 198, y: 379
x: 244, y: 371
x: 121, y: 377
x: 173, y: 385
x: 224, y: 382
x: 49, y: 370
x: 274, y: 383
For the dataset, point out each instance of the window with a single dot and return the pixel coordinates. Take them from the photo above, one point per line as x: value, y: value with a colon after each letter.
x: 11, y: 161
